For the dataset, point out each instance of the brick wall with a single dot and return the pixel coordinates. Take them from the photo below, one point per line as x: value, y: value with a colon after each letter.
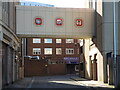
x: 53, y: 45
x: 56, y: 65
x: 35, y: 68
x: 42, y: 68
x: 57, y: 69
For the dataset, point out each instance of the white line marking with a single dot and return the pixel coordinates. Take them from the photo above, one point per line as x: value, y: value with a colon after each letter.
x: 30, y: 85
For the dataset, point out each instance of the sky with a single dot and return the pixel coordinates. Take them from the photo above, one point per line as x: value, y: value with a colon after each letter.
x: 62, y: 3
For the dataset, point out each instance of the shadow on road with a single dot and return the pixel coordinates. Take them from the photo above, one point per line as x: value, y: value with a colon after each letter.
x: 53, y: 83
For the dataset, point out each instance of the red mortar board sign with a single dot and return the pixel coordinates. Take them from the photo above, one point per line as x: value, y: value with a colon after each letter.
x: 59, y: 21
x: 38, y: 21
x: 79, y: 22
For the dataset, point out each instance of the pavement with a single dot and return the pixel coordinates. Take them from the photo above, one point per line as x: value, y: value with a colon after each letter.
x: 58, y: 82
x: 91, y: 83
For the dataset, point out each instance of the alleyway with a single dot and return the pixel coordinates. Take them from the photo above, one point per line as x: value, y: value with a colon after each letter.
x: 66, y: 82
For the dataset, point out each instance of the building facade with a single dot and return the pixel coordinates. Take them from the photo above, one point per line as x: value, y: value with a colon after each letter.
x: 10, y: 47
x: 96, y: 53
x: 56, y: 51
x: 99, y: 61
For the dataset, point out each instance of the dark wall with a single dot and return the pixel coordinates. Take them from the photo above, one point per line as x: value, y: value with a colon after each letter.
x: 57, y: 69
x: 42, y: 68
x: 35, y: 68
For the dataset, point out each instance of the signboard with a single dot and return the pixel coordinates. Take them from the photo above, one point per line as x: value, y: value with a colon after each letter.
x: 79, y: 22
x: 71, y: 60
x: 38, y: 21
x: 59, y: 21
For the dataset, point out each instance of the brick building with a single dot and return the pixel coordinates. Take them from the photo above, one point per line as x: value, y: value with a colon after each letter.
x: 62, y: 56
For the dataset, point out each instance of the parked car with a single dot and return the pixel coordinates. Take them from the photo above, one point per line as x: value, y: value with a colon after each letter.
x: 33, y: 57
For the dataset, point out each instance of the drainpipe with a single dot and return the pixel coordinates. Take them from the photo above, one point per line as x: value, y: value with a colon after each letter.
x: 114, y: 44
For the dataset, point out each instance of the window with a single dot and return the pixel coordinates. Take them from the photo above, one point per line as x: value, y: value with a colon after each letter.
x: 58, y: 51
x: 69, y: 51
x: 48, y: 51
x: 47, y: 40
x: 36, y: 40
x: 36, y: 51
x: 58, y: 41
x: 69, y: 40
x: 81, y: 42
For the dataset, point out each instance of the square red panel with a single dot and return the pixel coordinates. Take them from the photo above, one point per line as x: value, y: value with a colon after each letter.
x: 59, y: 21
x: 38, y: 21
x: 79, y: 22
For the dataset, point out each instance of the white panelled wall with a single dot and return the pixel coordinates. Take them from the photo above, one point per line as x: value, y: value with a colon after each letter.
x: 26, y: 26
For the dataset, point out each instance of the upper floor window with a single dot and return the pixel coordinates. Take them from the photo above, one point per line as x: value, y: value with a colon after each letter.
x: 47, y: 40
x: 58, y: 51
x: 58, y: 40
x: 69, y: 51
x: 36, y: 40
x: 36, y: 51
x: 81, y: 42
x: 69, y: 40
x: 48, y: 51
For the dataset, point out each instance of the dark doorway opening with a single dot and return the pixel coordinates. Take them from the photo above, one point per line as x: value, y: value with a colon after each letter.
x: 72, y: 68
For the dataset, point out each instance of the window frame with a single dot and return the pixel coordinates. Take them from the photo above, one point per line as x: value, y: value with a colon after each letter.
x: 37, y: 53
x: 48, y: 42
x: 68, y: 52
x: 36, y: 42
x: 58, y: 53
x: 48, y: 53
x: 66, y: 41
x: 60, y: 41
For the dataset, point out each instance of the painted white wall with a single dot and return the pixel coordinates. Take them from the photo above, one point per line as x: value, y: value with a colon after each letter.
x: 27, y: 14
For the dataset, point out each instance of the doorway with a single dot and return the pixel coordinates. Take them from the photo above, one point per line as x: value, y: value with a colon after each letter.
x: 72, y: 68
x: 94, y: 68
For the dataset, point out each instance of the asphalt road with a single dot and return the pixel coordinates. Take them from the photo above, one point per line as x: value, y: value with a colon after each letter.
x: 50, y: 82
